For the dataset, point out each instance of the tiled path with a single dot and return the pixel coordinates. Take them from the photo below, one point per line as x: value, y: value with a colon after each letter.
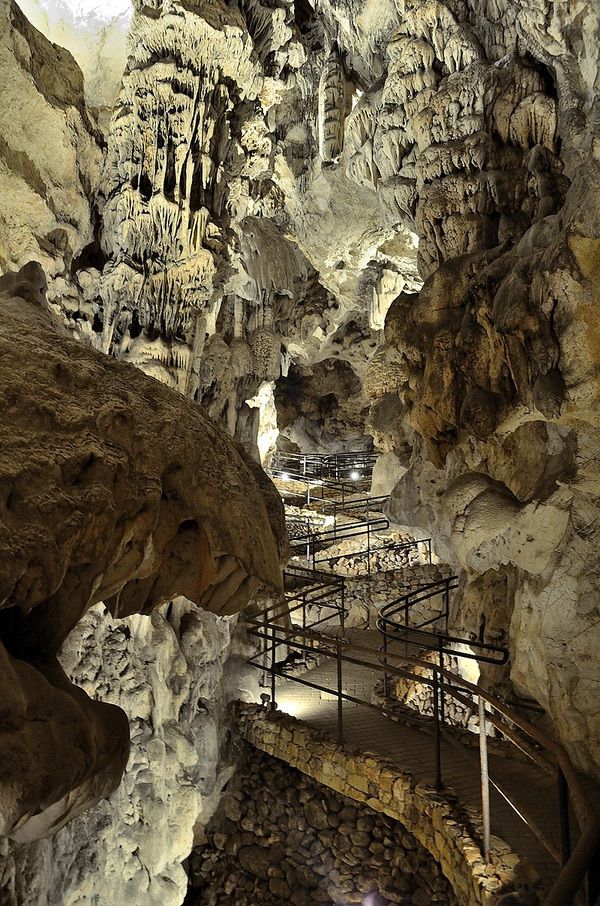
x: 412, y: 750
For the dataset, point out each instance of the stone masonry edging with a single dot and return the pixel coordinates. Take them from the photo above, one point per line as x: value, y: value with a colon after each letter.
x: 376, y: 781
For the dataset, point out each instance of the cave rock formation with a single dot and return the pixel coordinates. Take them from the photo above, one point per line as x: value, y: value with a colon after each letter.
x: 115, y: 490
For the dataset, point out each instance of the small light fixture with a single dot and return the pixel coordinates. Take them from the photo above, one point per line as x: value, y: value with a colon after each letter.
x: 284, y: 476
x: 354, y: 475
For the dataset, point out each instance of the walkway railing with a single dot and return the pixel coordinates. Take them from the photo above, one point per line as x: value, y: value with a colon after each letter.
x: 317, y: 540
x: 367, y: 504
x: 316, y: 490
x: 395, y: 625
x: 374, y: 549
x: 580, y: 863
x: 350, y: 466
x: 307, y: 523
x: 299, y: 578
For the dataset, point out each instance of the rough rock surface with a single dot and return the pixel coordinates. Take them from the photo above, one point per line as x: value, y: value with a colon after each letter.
x: 50, y: 160
x: 95, y: 33
x: 279, y: 836
x: 216, y: 208
x: 96, y: 510
x: 495, y: 361
x: 279, y: 180
x: 173, y: 674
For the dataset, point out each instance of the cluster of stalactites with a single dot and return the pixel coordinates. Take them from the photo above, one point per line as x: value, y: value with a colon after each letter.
x: 461, y: 145
x: 332, y: 108
x: 189, y: 145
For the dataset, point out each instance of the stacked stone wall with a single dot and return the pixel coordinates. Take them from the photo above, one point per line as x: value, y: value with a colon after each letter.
x: 282, y: 837
x: 449, y: 833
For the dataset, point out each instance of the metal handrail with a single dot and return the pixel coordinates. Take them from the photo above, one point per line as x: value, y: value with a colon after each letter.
x: 293, y: 570
x: 339, y: 486
x: 415, y: 635
x: 350, y: 509
x: 417, y: 595
x: 442, y: 642
x: 368, y: 503
x: 326, y: 465
x: 576, y: 864
x: 328, y: 537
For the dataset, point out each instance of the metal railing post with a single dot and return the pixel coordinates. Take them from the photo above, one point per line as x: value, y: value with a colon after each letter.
x: 343, y: 612
x: 265, y: 650
x: 437, y: 749
x: 340, y: 715
x: 485, y: 780
x: 563, y: 816
x: 368, y: 548
x: 386, y: 679
x: 442, y: 690
x: 273, y: 699
x: 429, y: 548
x: 447, y: 602
x: 579, y: 879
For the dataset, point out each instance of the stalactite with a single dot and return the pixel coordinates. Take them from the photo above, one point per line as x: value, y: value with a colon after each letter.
x: 332, y: 108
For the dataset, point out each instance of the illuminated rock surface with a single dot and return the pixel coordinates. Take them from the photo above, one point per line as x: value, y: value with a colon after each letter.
x: 337, y: 220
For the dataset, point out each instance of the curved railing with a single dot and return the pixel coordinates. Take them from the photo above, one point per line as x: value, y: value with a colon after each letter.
x: 318, y: 540
x: 576, y: 882
x: 333, y: 483
x: 307, y: 541
x: 395, y: 625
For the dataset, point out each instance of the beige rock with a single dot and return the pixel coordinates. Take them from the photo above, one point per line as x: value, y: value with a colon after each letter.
x: 95, y: 509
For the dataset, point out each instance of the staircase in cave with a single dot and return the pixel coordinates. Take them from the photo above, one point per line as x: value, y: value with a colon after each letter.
x: 360, y: 648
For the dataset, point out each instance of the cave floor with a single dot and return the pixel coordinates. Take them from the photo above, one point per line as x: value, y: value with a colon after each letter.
x: 412, y: 750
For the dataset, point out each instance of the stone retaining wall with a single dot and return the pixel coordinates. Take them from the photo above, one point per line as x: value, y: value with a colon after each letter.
x: 280, y: 837
x: 435, y: 819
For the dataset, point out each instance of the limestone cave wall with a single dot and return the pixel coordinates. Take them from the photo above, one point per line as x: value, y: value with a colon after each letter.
x: 326, y: 224
x: 51, y: 154
x: 94, y: 510
x: 490, y: 371
x: 172, y: 673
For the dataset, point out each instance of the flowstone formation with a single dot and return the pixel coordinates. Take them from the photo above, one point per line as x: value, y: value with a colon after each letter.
x: 223, y: 263
x: 173, y: 674
x: 96, y: 510
x: 96, y: 34
x: 50, y: 161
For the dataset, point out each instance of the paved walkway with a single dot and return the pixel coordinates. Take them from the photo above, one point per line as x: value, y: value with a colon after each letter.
x: 412, y: 750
